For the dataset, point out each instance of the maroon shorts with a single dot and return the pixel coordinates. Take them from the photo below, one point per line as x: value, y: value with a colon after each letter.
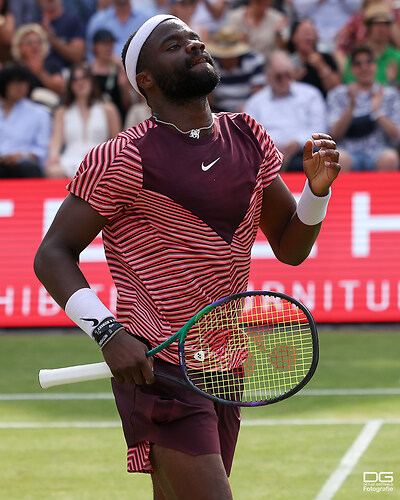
x: 173, y: 416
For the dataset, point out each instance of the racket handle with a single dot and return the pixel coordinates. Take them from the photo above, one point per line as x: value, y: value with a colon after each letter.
x: 70, y: 374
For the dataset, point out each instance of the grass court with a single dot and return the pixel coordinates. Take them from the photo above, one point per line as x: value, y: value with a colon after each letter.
x: 66, y: 443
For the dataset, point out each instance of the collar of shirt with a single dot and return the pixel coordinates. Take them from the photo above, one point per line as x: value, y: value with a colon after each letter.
x: 291, y: 93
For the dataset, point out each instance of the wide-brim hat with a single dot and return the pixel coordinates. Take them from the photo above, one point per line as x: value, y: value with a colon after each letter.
x: 378, y: 13
x: 227, y: 43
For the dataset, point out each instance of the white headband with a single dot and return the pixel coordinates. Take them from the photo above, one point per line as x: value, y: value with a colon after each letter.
x: 137, y: 42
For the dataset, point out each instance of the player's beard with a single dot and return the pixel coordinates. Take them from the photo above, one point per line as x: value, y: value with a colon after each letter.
x: 185, y: 85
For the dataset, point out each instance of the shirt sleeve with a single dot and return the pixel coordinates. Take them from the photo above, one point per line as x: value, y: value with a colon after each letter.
x: 337, y: 100
x: 272, y: 157
x: 42, y: 136
x: 109, y: 178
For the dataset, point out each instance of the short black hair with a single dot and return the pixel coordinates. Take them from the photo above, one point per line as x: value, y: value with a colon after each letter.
x: 125, y: 49
x: 363, y: 49
x: 14, y: 72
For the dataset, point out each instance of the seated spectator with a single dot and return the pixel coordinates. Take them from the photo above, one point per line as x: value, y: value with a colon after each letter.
x: 7, y: 28
x: 121, y: 19
x: 66, y: 34
x: 81, y: 123
x: 109, y: 72
x: 290, y: 111
x: 364, y: 118
x: 30, y: 47
x: 264, y: 28
x: 354, y: 33
x: 242, y: 71
x: 379, y: 19
x: 328, y: 16
x: 25, y: 126
x: 314, y: 67
x: 205, y: 17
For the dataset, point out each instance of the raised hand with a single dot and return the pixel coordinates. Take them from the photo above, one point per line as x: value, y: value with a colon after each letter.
x: 322, y: 167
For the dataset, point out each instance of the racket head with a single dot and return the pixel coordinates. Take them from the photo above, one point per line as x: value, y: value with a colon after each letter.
x: 250, y: 349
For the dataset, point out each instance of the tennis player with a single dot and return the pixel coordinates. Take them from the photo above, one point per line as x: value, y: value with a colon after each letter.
x: 179, y: 199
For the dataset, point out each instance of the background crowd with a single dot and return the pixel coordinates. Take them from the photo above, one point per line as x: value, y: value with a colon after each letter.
x: 296, y: 66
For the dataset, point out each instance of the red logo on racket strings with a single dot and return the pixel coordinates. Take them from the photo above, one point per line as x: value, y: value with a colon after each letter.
x: 249, y: 365
x: 283, y: 358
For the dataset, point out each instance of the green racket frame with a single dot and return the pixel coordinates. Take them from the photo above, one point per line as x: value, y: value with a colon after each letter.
x: 182, y: 334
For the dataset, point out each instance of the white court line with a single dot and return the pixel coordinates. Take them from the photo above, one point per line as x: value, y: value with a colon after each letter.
x: 349, y: 460
x: 384, y: 391
x: 245, y: 423
x: 59, y: 425
x: 68, y: 396
x: 314, y: 421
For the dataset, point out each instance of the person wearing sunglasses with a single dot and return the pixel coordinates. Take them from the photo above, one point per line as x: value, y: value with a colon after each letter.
x: 364, y: 118
x: 380, y: 23
x: 288, y: 109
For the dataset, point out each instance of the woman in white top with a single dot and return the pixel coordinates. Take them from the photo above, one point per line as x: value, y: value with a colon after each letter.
x: 82, y: 122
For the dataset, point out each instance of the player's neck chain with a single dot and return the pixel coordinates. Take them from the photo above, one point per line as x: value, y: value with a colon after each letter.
x: 194, y: 133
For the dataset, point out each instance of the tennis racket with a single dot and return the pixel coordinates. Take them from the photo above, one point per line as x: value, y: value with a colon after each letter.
x: 249, y: 349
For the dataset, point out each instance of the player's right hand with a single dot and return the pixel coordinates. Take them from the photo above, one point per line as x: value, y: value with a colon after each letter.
x: 127, y: 360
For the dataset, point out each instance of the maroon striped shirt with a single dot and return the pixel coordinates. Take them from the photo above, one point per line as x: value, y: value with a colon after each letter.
x: 183, y: 215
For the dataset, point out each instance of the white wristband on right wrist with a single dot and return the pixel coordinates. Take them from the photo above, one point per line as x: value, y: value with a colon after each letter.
x: 86, y: 310
x: 311, y: 209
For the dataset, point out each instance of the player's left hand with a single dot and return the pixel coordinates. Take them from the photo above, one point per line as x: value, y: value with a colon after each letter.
x: 322, y: 167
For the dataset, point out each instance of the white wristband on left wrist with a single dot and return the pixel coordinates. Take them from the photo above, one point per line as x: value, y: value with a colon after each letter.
x: 86, y: 310
x: 311, y: 209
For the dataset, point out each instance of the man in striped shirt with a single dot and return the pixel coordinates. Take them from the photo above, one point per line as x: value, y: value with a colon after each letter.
x: 179, y: 199
x: 242, y: 71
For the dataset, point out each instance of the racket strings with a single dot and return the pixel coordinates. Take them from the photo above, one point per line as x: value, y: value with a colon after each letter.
x: 249, y: 349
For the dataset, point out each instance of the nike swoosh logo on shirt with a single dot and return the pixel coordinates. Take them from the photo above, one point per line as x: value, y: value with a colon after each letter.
x: 207, y: 167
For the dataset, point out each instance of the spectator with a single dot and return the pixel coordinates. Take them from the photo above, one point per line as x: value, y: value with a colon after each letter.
x: 121, y: 19
x: 203, y: 16
x: 289, y: 110
x: 354, y: 33
x: 364, y: 118
x: 30, y: 46
x: 109, y: 72
x: 25, y: 126
x: 311, y: 66
x: 329, y: 16
x: 379, y: 19
x: 242, y: 71
x: 66, y: 34
x: 264, y: 28
x: 81, y: 123
x: 7, y: 28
